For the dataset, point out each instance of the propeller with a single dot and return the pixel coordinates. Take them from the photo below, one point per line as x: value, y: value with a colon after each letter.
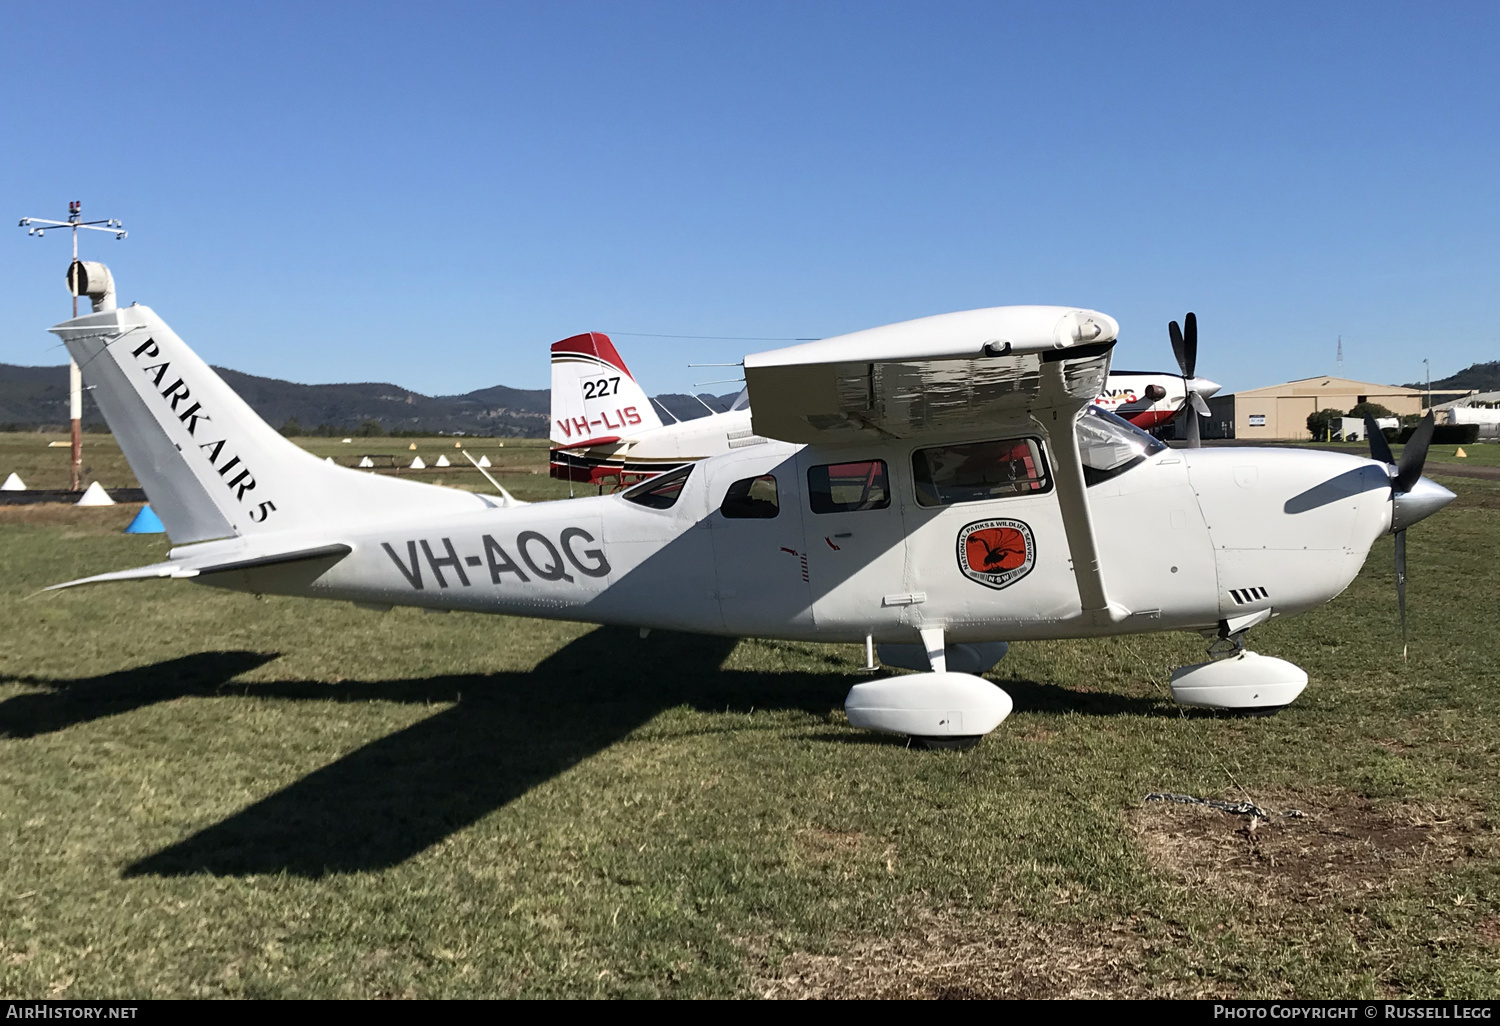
x: 1405, y: 476
x: 1185, y: 348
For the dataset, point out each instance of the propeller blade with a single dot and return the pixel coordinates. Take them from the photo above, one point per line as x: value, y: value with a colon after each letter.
x: 1190, y: 338
x: 1401, y: 586
x: 1185, y: 348
x: 1179, y: 347
x: 1415, y: 454
x: 1379, y: 448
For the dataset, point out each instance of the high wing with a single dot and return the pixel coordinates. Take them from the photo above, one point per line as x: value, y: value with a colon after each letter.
x: 946, y: 373
x: 1035, y: 367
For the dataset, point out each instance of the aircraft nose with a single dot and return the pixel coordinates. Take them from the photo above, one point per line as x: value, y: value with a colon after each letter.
x: 1205, y: 388
x: 1425, y: 498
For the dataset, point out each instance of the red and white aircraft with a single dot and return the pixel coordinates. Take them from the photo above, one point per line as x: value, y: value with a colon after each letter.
x: 1149, y: 399
x: 605, y: 428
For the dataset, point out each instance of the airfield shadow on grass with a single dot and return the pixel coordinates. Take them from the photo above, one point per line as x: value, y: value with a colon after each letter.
x: 393, y: 798
x: 1035, y: 697
x: 69, y: 703
x: 504, y: 734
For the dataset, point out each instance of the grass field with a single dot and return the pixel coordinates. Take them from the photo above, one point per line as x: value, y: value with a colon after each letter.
x: 1476, y: 454
x: 42, y: 460
x: 207, y: 794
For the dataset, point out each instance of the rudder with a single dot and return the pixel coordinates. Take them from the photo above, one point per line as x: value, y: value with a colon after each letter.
x: 594, y: 396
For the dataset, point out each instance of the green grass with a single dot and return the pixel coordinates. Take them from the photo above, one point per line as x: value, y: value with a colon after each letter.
x: 1476, y: 454
x: 207, y: 794
x: 520, y: 464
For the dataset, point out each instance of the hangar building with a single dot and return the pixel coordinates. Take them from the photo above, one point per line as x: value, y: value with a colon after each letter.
x: 1279, y: 412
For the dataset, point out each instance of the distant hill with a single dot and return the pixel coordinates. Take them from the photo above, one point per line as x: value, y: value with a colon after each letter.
x: 507, y: 412
x: 37, y: 397
x: 1484, y: 377
x: 32, y: 397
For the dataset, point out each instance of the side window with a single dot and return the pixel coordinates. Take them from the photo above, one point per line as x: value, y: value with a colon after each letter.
x: 754, y: 498
x: 976, y: 471
x: 659, y: 492
x: 842, y: 487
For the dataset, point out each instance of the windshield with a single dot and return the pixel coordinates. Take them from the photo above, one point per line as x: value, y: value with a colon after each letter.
x: 1111, y: 445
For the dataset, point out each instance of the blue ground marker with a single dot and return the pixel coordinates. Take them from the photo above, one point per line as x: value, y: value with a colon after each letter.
x: 146, y: 522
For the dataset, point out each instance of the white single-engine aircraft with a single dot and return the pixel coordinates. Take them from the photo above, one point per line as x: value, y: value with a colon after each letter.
x: 939, y: 487
x: 605, y: 428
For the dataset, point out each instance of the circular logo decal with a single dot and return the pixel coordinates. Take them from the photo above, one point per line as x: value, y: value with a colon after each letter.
x: 996, y: 553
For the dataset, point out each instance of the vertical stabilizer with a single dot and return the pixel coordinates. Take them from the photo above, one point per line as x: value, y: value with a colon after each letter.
x: 593, y: 394
x: 210, y: 466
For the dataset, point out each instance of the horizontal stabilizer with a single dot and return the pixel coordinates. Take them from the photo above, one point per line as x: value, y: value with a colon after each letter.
x: 180, y: 568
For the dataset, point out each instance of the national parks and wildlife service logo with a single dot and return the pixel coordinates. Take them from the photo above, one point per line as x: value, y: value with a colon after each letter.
x: 996, y: 553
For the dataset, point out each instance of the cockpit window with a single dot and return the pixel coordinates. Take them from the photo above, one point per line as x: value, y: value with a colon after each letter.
x: 741, y: 401
x: 976, y: 471
x: 659, y: 492
x: 1111, y: 445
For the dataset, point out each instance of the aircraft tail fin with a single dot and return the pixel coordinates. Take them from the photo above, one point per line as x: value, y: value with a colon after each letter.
x: 594, y: 394
x: 211, y: 467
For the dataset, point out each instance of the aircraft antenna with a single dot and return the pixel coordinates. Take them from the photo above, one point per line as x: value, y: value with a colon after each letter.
x: 38, y: 226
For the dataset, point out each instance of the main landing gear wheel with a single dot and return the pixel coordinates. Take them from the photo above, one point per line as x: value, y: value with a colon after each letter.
x: 948, y: 743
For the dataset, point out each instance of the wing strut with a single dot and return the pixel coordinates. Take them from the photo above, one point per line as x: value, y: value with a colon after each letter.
x: 1073, y: 500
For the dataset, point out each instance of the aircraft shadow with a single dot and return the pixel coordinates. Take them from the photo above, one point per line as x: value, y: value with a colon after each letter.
x: 505, y: 734
x: 508, y: 732
x: 1031, y: 696
x: 70, y: 703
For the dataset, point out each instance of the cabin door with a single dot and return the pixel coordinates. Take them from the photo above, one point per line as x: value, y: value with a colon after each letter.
x: 854, y: 542
x: 755, y: 521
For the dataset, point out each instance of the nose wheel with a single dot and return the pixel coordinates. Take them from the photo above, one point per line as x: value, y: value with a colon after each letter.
x: 945, y: 744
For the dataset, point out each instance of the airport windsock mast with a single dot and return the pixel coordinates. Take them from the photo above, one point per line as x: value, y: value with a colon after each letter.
x: 39, y: 226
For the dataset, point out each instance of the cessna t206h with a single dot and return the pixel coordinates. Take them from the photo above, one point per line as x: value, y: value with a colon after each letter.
x: 934, y: 490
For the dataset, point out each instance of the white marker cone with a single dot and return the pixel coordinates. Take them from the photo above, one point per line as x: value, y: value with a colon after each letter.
x: 417, y: 464
x: 412, y: 446
x: 327, y: 459
x: 442, y: 461
x: 13, y: 484
x: 95, y: 495
x: 484, y: 461
x: 365, y: 461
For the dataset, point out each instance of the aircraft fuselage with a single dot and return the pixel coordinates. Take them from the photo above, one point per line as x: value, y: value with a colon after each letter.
x: 1186, y: 538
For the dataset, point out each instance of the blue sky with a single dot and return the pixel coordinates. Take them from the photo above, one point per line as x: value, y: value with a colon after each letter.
x: 431, y: 194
